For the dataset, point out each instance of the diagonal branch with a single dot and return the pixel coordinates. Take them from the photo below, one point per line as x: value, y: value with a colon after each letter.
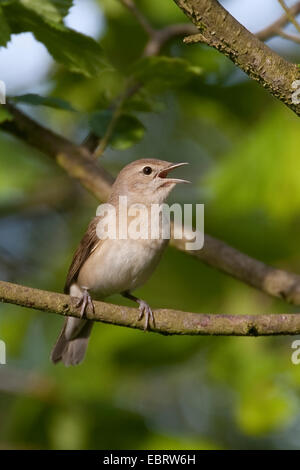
x: 225, y: 258
x: 289, y: 14
x: 274, y: 28
x: 77, y: 161
x: 218, y: 29
x: 168, y: 322
x: 141, y: 19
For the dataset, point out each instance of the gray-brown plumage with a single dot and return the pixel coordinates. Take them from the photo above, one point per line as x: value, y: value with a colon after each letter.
x: 104, y: 267
x: 88, y: 243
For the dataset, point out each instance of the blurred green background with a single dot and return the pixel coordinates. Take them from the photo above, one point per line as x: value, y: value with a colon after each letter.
x: 140, y: 390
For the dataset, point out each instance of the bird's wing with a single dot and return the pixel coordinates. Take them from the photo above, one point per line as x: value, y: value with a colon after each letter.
x: 88, y: 244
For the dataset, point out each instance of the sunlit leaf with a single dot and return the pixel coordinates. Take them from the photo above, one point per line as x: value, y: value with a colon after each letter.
x: 51, y: 10
x: 164, y: 72
x: 79, y: 53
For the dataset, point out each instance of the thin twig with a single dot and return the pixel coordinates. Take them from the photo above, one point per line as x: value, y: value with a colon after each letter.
x: 273, y: 29
x: 142, y: 20
x: 117, y: 108
x: 289, y: 14
x: 289, y: 37
x: 157, y: 39
x: 160, y: 37
x: 104, y: 141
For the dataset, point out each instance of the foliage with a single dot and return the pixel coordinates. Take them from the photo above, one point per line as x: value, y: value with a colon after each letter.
x: 44, y: 20
x: 135, y: 389
x: 160, y: 73
x: 128, y: 129
x: 37, y: 100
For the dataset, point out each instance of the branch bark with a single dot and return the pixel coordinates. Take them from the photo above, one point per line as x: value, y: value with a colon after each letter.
x: 167, y: 322
x: 77, y: 161
x: 218, y: 29
x: 225, y: 258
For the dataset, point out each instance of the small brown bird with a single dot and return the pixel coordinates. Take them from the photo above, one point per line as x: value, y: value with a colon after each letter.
x: 102, y: 267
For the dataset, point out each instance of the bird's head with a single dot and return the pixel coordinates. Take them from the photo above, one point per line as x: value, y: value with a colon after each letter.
x: 146, y: 181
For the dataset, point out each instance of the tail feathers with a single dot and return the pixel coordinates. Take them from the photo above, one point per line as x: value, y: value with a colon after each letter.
x: 71, y: 349
x: 60, y: 345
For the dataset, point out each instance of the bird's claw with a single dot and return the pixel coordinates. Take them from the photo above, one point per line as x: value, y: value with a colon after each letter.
x: 84, y: 301
x: 146, y: 310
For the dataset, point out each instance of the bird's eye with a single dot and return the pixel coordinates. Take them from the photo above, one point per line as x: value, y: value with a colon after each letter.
x: 147, y: 170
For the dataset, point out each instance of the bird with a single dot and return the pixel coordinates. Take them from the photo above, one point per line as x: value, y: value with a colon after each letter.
x: 104, y: 266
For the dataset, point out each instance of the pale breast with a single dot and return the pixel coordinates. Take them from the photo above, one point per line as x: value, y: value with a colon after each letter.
x: 120, y: 265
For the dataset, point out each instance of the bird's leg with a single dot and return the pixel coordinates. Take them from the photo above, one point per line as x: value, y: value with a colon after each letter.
x: 85, y: 300
x: 144, y: 309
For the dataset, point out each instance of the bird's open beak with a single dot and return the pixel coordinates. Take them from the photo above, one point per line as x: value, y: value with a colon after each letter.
x: 164, y: 173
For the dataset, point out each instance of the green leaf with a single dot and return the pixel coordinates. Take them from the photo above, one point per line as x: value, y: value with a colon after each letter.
x: 127, y: 132
x: 38, y: 100
x: 5, y: 115
x: 164, y: 72
x: 79, y: 53
x: 4, y: 29
x: 257, y: 191
x: 51, y: 10
x: 143, y: 102
x: 63, y: 6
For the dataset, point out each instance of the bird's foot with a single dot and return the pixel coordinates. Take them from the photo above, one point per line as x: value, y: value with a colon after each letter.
x: 84, y: 301
x: 143, y: 308
x: 146, y: 311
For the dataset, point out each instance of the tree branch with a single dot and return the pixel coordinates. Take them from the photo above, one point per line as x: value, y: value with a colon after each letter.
x: 161, y: 36
x: 77, y: 161
x: 274, y: 28
x: 168, y: 322
x: 289, y: 37
x: 289, y: 14
x: 141, y: 19
x: 218, y: 29
x: 225, y: 258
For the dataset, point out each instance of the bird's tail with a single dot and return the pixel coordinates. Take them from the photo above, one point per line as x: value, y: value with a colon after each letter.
x: 72, y: 342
